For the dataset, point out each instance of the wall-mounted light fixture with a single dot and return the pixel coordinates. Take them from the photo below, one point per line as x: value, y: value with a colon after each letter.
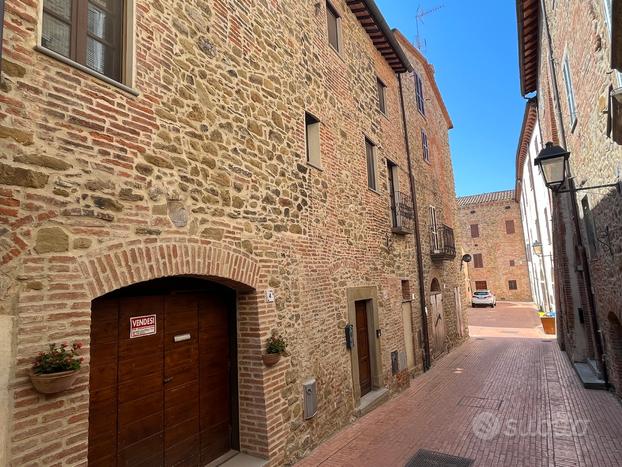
x: 553, y: 164
x: 537, y: 249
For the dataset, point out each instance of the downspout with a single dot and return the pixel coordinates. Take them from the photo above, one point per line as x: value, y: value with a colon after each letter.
x: 413, y: 196
x: 596, y: 331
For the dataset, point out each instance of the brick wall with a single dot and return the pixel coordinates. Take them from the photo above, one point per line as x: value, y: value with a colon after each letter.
x: 103, y: 189
x: 497, y: 247
x: 434, y: 183
x: 580, y: 33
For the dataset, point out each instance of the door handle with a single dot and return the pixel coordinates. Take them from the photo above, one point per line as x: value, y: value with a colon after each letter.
x: 168, y: 380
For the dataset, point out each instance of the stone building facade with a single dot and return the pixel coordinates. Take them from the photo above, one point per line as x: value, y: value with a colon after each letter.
x: 428, y: 126
x: 569, y: 56
x: 245, y: 161
x: 492, y: 233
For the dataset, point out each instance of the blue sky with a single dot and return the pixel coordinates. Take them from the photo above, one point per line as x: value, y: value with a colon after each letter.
x: 473, y: 47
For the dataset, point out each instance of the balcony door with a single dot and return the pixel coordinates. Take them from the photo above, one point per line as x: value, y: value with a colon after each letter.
x: 434, y: 229
x: 393, y: 193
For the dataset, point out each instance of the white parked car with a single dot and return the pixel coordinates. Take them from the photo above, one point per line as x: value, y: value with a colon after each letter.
x: 483, y: 298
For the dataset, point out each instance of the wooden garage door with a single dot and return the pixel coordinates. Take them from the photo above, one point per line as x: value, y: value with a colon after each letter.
x: 162, y: 399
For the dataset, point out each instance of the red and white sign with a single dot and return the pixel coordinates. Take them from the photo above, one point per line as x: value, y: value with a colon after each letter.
x: 141, y: 326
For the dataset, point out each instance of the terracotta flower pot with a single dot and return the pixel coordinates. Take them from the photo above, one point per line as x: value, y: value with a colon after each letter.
x: 53, y: 382
x: 271, y: 359
x: 548, y: 323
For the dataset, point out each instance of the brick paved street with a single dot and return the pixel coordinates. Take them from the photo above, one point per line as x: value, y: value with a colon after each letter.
x: 510, y: 378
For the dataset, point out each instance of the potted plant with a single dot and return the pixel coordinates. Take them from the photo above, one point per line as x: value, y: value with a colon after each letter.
x: 548, y: 322
x: 275, y: 347
x: 57, y: 369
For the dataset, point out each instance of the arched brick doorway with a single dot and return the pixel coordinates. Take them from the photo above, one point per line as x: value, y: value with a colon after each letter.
x: 163, y: 374
x: 615, y: 352
x: 123, y: 264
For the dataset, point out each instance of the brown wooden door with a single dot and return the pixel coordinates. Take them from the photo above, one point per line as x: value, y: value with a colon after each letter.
x: 181, y: 380
x: 139, y: 393
x: 103, y: 384
x: 362, y: 340
x: 215, y: 402
x: 163, y: 399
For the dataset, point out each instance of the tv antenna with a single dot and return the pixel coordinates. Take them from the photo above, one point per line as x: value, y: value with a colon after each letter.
x: 421, y: 13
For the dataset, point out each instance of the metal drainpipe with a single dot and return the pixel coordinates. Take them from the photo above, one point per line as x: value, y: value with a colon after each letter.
x: 413, y: 195
x: 597, y: 337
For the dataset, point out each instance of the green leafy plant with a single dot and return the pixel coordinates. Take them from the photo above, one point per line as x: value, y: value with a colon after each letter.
x: 276, y: 344
x: 58, y: 359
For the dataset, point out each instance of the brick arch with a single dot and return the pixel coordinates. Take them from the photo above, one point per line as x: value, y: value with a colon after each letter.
x: 120, y: 265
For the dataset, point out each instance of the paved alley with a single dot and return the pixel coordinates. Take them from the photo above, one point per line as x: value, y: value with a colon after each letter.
x: 508, y: 397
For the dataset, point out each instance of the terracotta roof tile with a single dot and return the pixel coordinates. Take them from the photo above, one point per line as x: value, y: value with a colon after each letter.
x: 507, y: 195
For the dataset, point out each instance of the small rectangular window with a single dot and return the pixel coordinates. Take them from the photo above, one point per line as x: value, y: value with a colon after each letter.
x: 512, y: 285
x: 312, y: 135
x: 481, y: 285
x: 89, y: 32
x: 419, y: 93
x: 334, y: 24
x: 509, y: 227
x: 572, y: 107
x: 474, y: 230
x: 424, y: 146
x: 381, y: 96
x: 406, y: 294
x: 370, y: 152
x: 512, y: 263
x: 478, y: 261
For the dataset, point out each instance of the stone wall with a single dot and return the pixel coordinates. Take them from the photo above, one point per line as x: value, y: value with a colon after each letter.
x: 434, y: 182
x: 580, y: 32
x: 204, y: 173
x: 496, y: 246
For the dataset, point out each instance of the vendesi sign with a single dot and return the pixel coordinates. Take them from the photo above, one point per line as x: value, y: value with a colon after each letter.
x: 141, y: 326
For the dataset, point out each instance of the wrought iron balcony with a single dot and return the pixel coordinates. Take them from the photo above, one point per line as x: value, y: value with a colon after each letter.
x: 442, y: 243
x: 402, y: 215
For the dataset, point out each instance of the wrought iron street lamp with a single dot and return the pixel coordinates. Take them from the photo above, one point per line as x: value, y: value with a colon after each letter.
x: 553, y: 163
x: 537, y: 248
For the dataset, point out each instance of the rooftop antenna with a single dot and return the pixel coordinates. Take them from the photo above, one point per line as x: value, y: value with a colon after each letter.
x: 421, y: 13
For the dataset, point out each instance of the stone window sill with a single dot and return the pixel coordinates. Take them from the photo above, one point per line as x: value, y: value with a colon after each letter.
x: 315, y: 166
x: 86, y: 70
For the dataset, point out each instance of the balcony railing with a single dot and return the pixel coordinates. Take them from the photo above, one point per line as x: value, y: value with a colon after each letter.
x: 442, y: 243
x: 402, y: 215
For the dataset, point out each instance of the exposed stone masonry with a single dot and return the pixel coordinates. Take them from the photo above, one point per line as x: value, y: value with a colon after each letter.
x: 503, y: 254
x: 204, y: 173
